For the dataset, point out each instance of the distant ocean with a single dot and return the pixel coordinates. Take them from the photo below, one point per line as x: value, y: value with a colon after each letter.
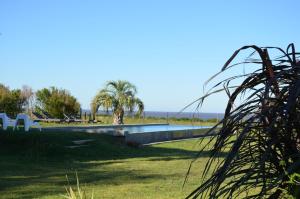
x: 184, y: 115
x: 158, y: 114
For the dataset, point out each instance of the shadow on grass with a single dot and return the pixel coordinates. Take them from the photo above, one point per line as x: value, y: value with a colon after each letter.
x: 36, y: 161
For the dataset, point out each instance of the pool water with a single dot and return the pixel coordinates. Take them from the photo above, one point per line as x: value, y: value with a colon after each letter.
x: 160, y: 128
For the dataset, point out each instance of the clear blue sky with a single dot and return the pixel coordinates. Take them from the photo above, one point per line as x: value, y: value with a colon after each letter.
x: 167, y: 48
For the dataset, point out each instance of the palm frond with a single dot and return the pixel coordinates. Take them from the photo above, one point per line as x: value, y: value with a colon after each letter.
x: 260, y: 131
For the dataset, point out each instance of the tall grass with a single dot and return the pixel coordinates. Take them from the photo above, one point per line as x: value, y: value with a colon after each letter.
x: 76, y: 193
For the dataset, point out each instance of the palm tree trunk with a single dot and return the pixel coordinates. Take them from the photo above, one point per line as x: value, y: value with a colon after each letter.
x: 118, y: 117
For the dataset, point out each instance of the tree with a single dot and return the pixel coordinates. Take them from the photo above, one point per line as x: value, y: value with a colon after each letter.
x: 28, y: 95
x: 117, y: 96
x: 57, y: 102
x: 11, y: 101
x: 260, y: 132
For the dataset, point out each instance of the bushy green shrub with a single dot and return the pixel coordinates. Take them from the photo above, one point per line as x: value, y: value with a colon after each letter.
x: 11, y: 101
x: 57, y: 102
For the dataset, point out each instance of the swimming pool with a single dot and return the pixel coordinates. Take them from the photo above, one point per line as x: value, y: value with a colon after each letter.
x: 141, y: 133
x: 158, y: 133
x: 160, y: 128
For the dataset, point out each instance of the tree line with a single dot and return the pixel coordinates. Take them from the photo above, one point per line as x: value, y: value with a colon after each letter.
x: 54, y: 101
x: 116, y: 96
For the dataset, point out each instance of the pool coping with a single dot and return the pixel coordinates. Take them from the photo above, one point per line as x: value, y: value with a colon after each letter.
x: 180, y: 140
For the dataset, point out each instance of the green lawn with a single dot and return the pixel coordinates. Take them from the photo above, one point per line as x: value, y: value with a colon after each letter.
x: 34, y: 165
x: 107, y: 120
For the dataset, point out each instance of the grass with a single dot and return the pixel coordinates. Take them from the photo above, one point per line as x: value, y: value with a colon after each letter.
x: 35, y: 165
x: 107, y: 120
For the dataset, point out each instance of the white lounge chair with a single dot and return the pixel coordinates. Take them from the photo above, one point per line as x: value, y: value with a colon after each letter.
x: 6, y: 121
x: 27, y: 122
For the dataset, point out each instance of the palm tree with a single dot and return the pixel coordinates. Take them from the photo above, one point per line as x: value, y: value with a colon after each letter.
x: 260, y: 132
x: 117, y: 96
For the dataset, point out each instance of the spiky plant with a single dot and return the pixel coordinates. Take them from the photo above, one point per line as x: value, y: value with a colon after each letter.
x: 260, y: 131
x: 78, y: 193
